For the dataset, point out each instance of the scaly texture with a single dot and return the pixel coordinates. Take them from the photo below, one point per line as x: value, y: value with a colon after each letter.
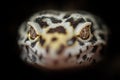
x: 58, y: 40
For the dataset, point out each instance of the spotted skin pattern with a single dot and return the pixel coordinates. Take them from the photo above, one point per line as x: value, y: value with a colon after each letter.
x: 58, y: 40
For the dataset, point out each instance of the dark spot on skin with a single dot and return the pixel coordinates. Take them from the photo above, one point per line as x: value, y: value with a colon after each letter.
x: 89, y: 20
x: 90, y: 59
x: 87, y: 47
x: 73, y: 39
x: 84, y: 57
x: 61, y: 49
x: 93, y: 61
x: 102, y: 36
x: 33, y: 44
x: 93, y: 39
x: 47, y: 49
x: 40, y: 57
x: 59, y: 29
x: 42, y: 23
x: 54, y: 39
x: 66, y: 16
x: 78, y: 56
x: 80, y: 62
x: 55, y: 62
x: 28, y: 32
x: 94, y: 49
x: 81, y: 43
x: 92, y: 28
x: 75, y: 23
x: 87, y: 58
x: 54, y: 20
x: 26, y: 39
x: 33, y: 58
x: 29, y: 57
x: 69, y: 56
x: 42, y: 41
x: 80, y: 51
x: 35, y: 52
x: 27, y: 49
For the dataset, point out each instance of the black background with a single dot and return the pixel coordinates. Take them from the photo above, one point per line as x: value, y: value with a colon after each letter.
x: 13, y: 13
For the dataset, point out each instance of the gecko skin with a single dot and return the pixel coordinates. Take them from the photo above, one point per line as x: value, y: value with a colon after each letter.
x: 62, y: 39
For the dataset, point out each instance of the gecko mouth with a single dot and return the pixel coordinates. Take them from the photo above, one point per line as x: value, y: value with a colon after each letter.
x: 59, y: 53
x: 61, y: 60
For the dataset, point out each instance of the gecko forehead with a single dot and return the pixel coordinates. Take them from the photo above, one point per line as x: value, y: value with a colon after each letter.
x: 53, y: 19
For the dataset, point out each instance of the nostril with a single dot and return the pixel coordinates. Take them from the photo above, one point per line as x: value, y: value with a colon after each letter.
x: 53, y: 39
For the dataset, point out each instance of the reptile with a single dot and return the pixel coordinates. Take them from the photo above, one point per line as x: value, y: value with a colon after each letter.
x: 62, y: 39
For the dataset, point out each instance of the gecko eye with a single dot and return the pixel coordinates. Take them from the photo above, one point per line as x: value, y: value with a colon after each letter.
x: 32, y: 33
x: 85, y: 33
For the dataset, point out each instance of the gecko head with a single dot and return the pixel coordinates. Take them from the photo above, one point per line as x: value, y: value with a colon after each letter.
x: 64, y: 39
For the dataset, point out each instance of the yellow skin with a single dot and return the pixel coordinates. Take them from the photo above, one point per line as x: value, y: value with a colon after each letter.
x: 59, y: 40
